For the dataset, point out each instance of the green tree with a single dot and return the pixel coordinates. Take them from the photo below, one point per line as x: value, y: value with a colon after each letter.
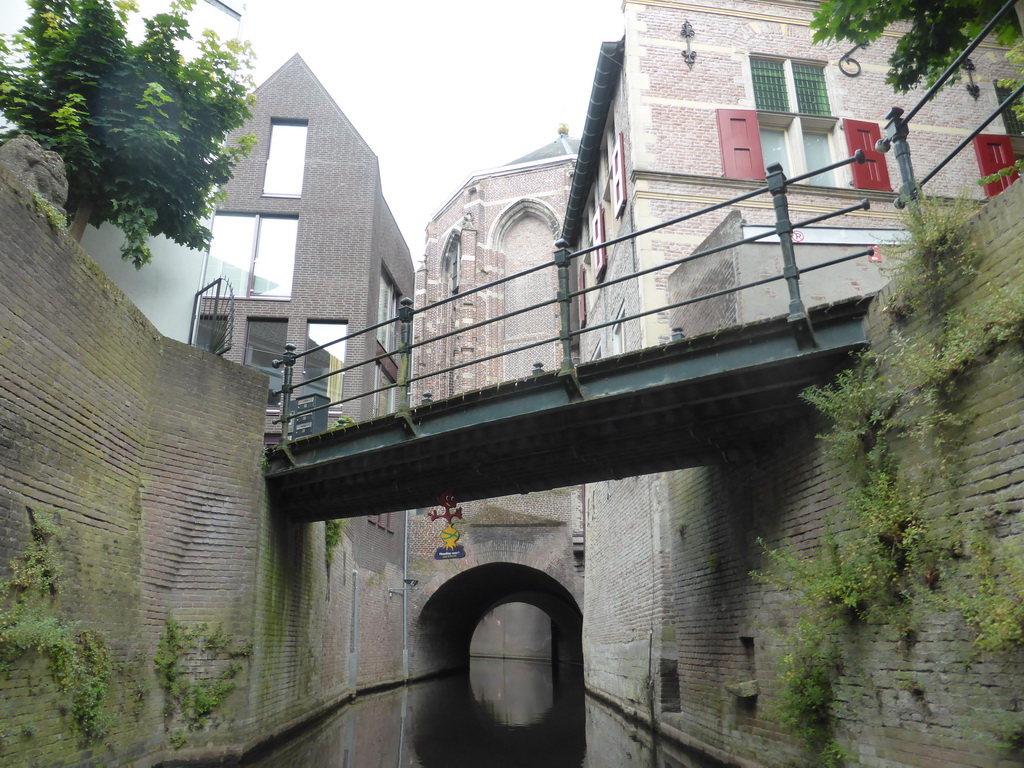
x: 939, y: 31
x: 141, y: 129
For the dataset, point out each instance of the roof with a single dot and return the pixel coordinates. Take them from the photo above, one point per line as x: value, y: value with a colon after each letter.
x: 606, y: 80
x: 563, y: 145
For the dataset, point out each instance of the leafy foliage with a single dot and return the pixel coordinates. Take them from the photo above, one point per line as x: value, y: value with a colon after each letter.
x: 938, y: 31
x: 196, y: 668
x: 79, y: 660
x: 141, y: 130
x: 333, y: 530
x: 901, y: 536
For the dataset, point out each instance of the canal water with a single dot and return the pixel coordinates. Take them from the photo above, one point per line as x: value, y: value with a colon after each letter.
x: 502, y: 714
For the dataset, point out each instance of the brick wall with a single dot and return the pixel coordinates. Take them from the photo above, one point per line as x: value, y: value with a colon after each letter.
x: 673, y: 615
x: 149, y: 452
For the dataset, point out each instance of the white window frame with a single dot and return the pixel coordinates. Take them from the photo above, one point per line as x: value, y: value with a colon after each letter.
x: 795, y: 125
x: 233, y: 252
x: 287, y: 138
x: 319, y: 333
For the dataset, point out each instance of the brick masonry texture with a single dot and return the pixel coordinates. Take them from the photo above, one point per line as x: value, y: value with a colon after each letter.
x: 149, y: 452
x: 503, y: 222
x: 690, y: 618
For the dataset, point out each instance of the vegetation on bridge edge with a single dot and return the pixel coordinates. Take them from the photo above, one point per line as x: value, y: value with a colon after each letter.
x: 901, y: 546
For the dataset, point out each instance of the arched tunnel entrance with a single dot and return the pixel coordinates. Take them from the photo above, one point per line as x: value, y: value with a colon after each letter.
x: 443, y: 633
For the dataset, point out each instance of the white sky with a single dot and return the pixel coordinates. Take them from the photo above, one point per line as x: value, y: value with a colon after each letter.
x: 438, y: 88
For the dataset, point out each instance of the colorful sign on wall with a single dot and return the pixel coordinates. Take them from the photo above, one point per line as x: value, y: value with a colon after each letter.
x: 450, y: 548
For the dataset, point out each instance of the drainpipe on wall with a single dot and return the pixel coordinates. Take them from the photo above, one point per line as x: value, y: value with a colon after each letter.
x: 353, y: 647
x: 405, y: 600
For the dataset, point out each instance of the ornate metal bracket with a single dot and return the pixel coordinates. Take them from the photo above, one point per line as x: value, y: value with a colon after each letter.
x: 972, y: 88
x: 847, y: 60
x: 690, y: 56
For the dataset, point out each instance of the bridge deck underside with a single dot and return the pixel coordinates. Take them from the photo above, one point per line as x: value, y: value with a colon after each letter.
x: 684, y: 404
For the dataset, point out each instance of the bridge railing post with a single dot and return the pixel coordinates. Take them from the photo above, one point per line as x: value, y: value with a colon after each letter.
x: 564, y: 305
x: 288, y: 361
x: 798, y: 318
x: 896, y: 133
x: 405, y: 318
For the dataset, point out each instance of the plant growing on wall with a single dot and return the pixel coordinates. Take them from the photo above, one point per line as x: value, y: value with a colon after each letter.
x: 140, y: 128
x: 196, y: 668
x: 79, y: 659
x: 899, y: 537
x: 333, y: 531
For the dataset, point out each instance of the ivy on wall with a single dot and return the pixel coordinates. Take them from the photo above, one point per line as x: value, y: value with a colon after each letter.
x: 900, y: 545
x: 31, y: 623
x: 196, y: 668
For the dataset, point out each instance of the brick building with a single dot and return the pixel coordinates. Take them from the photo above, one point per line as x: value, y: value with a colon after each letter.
x: 686, y: 111
x: 310, y: 247
x: 313, y: 253
x: 499, y: 223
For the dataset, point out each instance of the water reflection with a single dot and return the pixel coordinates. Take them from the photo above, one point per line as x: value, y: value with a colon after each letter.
x: 513, y: 693
x: 504, y: 714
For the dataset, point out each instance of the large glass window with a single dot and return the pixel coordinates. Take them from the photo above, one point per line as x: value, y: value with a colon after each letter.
x: 264, y: 343
x: 330, y: 358
x: 286, y: 160
x: 257, y: 253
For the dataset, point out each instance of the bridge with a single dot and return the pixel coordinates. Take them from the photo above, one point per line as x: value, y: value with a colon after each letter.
x: 683, y: 403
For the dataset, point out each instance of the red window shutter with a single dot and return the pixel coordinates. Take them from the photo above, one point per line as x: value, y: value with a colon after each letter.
x: 597, y: 235
x: 740, y: 139
x: 582, y: 274
x: 994, y: 153
x: 619, y: 176
x: 874, y: 174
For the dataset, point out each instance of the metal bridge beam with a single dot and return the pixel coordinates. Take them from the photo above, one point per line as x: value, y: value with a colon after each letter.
x: 682, y: 404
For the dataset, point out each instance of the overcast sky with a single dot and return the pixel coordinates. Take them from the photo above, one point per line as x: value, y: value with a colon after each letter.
x: 438, y: 88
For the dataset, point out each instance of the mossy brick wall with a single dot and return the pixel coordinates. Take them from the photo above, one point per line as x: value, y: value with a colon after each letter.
x: 669, y: 561
x: 149, y: 452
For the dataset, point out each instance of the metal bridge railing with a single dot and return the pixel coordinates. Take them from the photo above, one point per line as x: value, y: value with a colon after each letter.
x: 563, y: 296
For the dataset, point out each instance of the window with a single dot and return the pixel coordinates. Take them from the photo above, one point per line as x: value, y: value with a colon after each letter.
x: 264, y: 343
x: 775, y: 80
x: 619, y: 331
x: 451, y: 262
x: 387, y: 342
x: 618, y: 169
x: 1014, y: 124
x: 387, y: 307
x: 598, y: 258
x: 384, y: 522
x: 286, y: 159
x: 330, y: 358
x: 995, y: 152
x: 800, y: 140
x: 581, y: 276
x: 256, y: 253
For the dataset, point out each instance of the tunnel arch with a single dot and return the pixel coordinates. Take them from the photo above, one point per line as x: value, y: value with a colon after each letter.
x: 443, y: 630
